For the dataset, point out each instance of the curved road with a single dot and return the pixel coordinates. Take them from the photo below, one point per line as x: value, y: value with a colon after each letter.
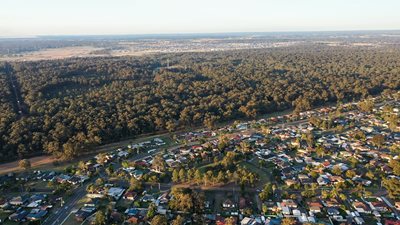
x: 58, y: 217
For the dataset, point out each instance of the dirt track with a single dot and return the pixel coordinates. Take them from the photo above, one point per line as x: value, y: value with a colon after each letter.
x: 35, y: 162
x: 46, y: 161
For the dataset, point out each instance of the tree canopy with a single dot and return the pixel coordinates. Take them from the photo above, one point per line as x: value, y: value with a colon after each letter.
x: 72, y: 105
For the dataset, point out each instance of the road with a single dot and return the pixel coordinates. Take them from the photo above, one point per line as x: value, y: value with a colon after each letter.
x: 80, y: 192
x: 15, y: 89
x: 58, y: 217
x: 394, y: 210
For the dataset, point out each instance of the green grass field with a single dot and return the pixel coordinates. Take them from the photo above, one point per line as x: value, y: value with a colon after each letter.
x: 264, y: 174
x: 41, y: 185
x: 124, y: 203
x: 204, y: 168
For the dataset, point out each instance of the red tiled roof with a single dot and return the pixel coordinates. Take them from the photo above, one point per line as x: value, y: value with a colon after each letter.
x: 315, y: 204
x: 392, y: 222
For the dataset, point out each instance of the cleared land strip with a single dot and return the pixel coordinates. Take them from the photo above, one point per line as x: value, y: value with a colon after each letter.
x: 19, y: 105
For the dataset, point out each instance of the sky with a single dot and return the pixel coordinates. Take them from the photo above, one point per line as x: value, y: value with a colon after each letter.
x: 96, y: 17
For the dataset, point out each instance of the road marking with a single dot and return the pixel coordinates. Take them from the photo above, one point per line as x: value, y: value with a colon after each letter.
x: 66, y: 218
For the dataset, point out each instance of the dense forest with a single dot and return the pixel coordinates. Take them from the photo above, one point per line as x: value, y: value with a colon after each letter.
x: 76, y: 104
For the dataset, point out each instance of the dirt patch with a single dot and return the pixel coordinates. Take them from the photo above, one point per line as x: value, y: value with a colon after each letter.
x: 46, y: 162
x: 73, y: 52
x: 55, y: 53
x: 35, y: 162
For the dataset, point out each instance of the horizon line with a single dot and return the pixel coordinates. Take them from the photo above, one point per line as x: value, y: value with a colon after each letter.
x: 196, y: 33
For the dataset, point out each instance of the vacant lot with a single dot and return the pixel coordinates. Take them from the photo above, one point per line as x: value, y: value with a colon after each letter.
x: 53, y: 53
x: 35, y: 162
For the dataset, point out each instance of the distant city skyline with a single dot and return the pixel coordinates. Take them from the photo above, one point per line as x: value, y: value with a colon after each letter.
x: 102, y: 17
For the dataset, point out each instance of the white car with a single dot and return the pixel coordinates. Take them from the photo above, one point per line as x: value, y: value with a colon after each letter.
x: 151, y: 151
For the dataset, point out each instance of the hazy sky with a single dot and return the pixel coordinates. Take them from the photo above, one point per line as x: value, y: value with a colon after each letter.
x: 54, y: 17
